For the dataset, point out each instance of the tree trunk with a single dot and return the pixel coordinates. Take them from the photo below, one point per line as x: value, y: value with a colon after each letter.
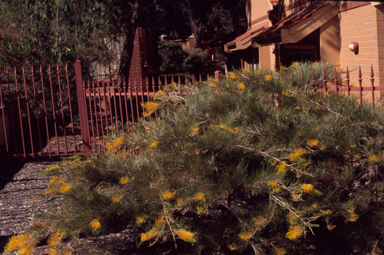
x: 130, y: 28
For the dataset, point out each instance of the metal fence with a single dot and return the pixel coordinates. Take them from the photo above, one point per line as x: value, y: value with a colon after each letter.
x: 55, y: 111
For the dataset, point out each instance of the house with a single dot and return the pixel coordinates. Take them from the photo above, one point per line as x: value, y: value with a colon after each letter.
x: 280, y: 32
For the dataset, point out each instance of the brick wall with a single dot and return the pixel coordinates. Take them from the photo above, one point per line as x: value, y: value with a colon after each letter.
x: 364, y: 25
x: 136, y: 71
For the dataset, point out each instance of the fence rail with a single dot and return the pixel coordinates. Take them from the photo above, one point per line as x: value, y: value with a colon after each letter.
x: 42, y: 114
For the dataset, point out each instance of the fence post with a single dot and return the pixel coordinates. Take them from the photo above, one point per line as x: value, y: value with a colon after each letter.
x: 217, y: 75
x: 82, y: 108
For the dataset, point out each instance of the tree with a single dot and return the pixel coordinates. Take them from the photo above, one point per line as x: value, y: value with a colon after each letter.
x: 44, y: 31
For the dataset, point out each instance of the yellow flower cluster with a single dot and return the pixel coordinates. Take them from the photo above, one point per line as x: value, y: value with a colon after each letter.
x: 115, y: 144
x: 153, y: 144
x: 307, y: 188
x: 52, y: 186
x: 245, y: 236
x: 186, y: 235
x: 116, y: 199
x: 292, y: 219
x: 373, y: 159
x: 245, y: 70
x: 160, y: 222
x: 213, y: 84
x: 169, y: 194
x: 281, y: 168
x: 286, y: 93
x: 232, y: 75
x: 296, y: 156
x: 158, y: 94
x: 312, y: 143
x: 95, y: 224
x: 232, y: 247
x: 259, y: 221
x: 24, y: 244
x: 150, y: 107
x: 352, y: 216
x: 267, y: 77
x: 140, y: 220
x: 56, y: 238
x: 194, y: 130
x: 148, y: 235
x: 225, y: 127
x: 275, y: 186
x: 124, y: 180
x: 241, y: 86
x: 65, y: 188
x: 294, y: 232
x: 200, y: 197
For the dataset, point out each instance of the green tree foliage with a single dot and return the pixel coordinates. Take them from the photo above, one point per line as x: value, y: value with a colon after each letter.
x: 255, y: 163
x: 175, y: 60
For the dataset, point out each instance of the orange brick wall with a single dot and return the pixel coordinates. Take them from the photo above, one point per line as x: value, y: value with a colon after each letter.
x: 364, y: 25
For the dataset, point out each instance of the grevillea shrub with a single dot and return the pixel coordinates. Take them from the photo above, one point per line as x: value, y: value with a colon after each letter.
x: 253, y: 163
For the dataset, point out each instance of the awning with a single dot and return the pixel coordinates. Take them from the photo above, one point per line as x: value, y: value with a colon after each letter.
x: 245, y: 40
x: 298, y: 25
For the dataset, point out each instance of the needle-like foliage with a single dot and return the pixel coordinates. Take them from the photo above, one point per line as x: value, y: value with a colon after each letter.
x: 253, y: 163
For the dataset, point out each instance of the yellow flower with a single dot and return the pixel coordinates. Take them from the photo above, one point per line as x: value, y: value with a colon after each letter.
x: 154, y: 143
x: 286, y: 93
x: 373, y: 159
x: 307, y: 188
x: 314, y: 206
x: 312, y: 143
x: 296, y: 156
x: 158, y: 94
x: 232, y: 75
x: 150, y: 107
x: 291, y: 217
x: 65, y: 188
x: 267, y: 77
x: 245, y: 236
x: 258, y: 73
x: 115, y: 144
x: 294, y: 232
x: 55, y: 238
x: 274, y: 184
x: 259, y: 221
x: 297, y: 108
x: 246, y: 70
x: 160, y: 222
x: 140, y: 220
x: 116, y: 199
x: 95, y: 224
x: 179, y: 201
x: 352, y: 216
x: 124, y: 180
x: 148, y: 235
x: 232, y: 247
x: 281, y: 168
x: 296, y: 197
x: 212, y: 84
x: 326, y: 212
x: 186, y: 235
x: 241, y: 86
x: 195, y: 130
x: 23, y: 243
x: 197, y: 151
x: 330, y: 227
x: 200, y: 197
x: 168, y: 194
x: 337, y: 64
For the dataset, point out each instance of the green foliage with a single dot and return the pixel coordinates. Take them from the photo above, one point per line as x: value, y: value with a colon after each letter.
x: 252, y: 163
x: 176, y: 60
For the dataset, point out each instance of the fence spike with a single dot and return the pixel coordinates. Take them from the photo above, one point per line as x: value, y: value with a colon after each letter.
x: 360, y: 86
x: 373, y: 87
x: 347, y: 81
x: 313, y: 78
x: 302, y: 77
x: 336, y: 81
x: 324, y: 82
x: 292, y: 77
x: 153, y: 84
